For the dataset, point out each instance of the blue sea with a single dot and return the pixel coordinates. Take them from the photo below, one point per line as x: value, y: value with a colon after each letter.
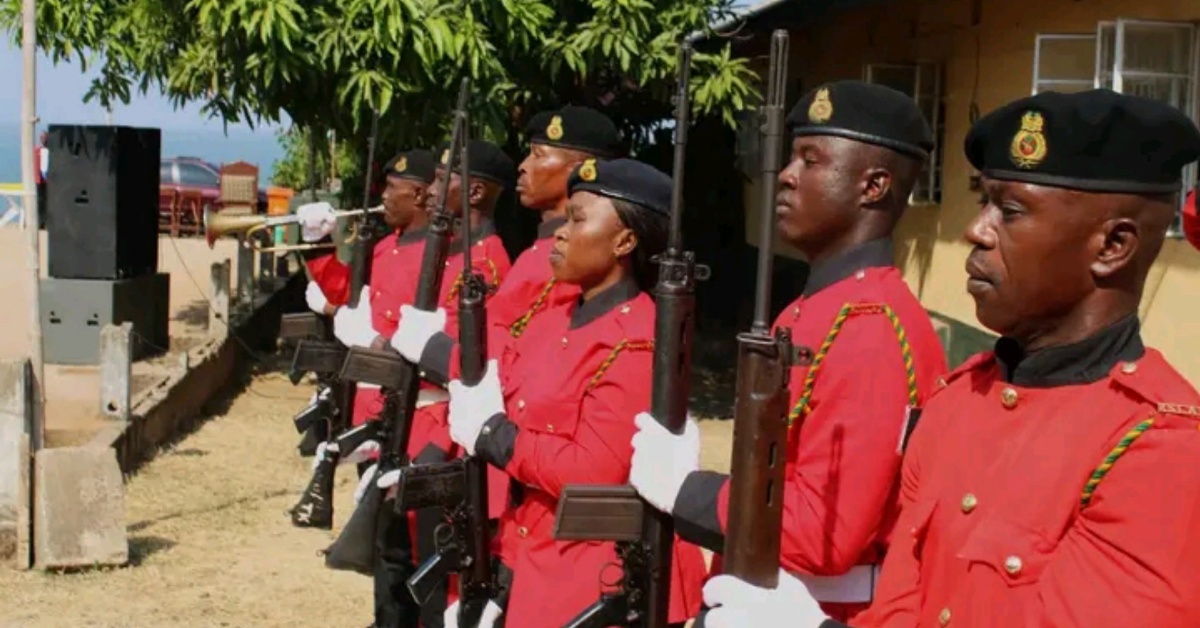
x: 257, y: 147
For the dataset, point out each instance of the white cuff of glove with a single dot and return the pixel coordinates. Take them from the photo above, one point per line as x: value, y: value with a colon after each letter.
x: 352, y: 326
x: 389, y: 479
x: 662, y: 461
x: 315, y: 298
x: 487, y: 619
x: 472, y: 406
x: 736, y: 603
x: 416, y: 328
x: 364, y: 482
x: 364, y: 452
x: 317, y: 220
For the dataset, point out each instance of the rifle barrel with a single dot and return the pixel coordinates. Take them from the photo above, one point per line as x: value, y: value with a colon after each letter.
x: 771, y: 159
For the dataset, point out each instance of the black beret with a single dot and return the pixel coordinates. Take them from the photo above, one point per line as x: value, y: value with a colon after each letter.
x: 417, y: 164
x: 863, y: 112
x: 578, y: 128
x: 488, y: 161
x: 624, y: 179
x: 1097, y: 141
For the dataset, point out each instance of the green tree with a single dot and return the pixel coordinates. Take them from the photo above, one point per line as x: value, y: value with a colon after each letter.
x: 327, y: 64
x: 292, y: 170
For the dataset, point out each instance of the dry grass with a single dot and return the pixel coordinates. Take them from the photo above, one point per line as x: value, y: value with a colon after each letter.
x: 210, y: 539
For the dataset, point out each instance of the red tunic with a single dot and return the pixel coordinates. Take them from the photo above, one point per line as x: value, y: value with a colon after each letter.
x: 530, y: 287
x: 570, y: 421
x: 1065, y: 499
x: 332, y: 276
x: 1191, y: 220
x: 844, y: 447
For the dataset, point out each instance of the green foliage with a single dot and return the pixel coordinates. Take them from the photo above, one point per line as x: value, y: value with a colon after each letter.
x: 329, y: 63
x: 292, y: 170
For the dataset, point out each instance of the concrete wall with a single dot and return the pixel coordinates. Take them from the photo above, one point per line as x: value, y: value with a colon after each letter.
x: 987, y: 64
x: 14, y: 460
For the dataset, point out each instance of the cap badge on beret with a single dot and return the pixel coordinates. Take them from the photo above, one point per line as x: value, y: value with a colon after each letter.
x: 554, y: 130
x: 821, y: 108
x: 445, y: 156
x: 1029, y: 145
x: 587, y: 171
x: 401, y: 165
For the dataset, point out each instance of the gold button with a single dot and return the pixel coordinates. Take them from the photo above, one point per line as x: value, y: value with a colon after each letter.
x: 395, y: 251
x: 534, y: 247
x: 1129, y: 368
x: 860, y: 274
x: 520, y: 404
x: 550, y: 428
x: 795, y: 311
x: 1013, y: 565
x: 564, y: 341
x: 1008, y: 397
x: 941, y: 382
x: 625, y: 309
x: 523, y: 531
x: 388, y: 313
x: 944, y: 617
x: 969, y: 502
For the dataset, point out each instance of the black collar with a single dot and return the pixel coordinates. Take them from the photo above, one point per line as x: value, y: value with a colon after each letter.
x: 411, y: 235
x: 548, y: 227
x: 600, y: 304
x: 870, y: 254
x: 479, y: 231
x: 1083, y: 362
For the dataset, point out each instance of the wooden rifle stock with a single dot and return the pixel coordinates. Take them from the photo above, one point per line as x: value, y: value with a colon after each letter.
x: 764, y: 365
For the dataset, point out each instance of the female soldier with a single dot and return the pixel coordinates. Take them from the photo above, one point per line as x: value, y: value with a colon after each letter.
x: 555, y: 405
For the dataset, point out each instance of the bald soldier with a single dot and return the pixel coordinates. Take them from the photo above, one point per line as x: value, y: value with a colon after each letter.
x: 1052, y: 481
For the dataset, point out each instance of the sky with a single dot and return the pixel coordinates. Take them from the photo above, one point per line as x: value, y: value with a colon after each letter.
x: 60, y: 91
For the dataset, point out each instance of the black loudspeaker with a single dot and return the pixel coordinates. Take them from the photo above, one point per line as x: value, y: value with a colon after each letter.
x: 102, y: 201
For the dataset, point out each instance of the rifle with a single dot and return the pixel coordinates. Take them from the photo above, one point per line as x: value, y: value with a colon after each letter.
x: 354, y: 549
x: 458, y: 486
x: 763, y: 370
x: 645, y: 536
x: 315, y: 508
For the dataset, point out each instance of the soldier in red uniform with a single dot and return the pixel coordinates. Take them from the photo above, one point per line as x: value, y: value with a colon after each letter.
x: 491, y: 172
x: 1191, y: 218
x: 856, y: 152
x: 560, y: 140
x: 1052, y: 481
x: 555, y: 405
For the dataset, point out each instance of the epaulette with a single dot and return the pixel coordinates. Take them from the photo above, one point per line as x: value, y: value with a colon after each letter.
x: 625, y: 345
x: 848, y: 311
x: 1154, y: 381
x: 976, y: 362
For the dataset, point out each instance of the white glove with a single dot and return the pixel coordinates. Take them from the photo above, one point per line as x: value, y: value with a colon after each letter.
x: 389, y: 479
x: 364, y: 452
x: 315, y: 298
x: 322, y: 447
x: 662, y: 460
x: 316, y: 221
x: 487, y: 619
x: 738, y: 604
x: 352, y: 325
x: 472, y: 406
x: 364, y: 482
x: 416, y: 328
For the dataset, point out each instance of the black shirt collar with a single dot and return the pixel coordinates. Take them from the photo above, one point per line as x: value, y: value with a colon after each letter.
x: 600, y: 304
x: 1084, y: 362
x: 411, y: 235
x: 479, y: 231
x: 548, y: 227
x: 870, y: 254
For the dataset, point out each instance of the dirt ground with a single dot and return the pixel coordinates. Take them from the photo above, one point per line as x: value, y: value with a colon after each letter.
x: 73, y: 392
x: 210, y: 540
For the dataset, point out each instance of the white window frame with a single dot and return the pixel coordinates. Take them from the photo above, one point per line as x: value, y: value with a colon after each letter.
x: 931, y: 192
x: 1040, y: 83
x: 1118, y: 77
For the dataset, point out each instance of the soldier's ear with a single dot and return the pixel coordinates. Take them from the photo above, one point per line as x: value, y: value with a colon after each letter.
x: 876, y: 186
x: 625, y: 242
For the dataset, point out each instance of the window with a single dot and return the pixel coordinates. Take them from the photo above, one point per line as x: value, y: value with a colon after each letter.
x: 923, y: 83
x: 1151, y: 59
x: 165, y: 177
x: 191, y: 174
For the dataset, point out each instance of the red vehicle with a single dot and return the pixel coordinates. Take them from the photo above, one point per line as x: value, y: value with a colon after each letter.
x: 194, y: 174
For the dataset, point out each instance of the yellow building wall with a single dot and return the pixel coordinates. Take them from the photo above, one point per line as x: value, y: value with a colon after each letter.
x: 988, y: 64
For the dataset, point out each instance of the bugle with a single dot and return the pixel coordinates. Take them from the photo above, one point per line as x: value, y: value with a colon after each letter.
x: 218, y: 224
